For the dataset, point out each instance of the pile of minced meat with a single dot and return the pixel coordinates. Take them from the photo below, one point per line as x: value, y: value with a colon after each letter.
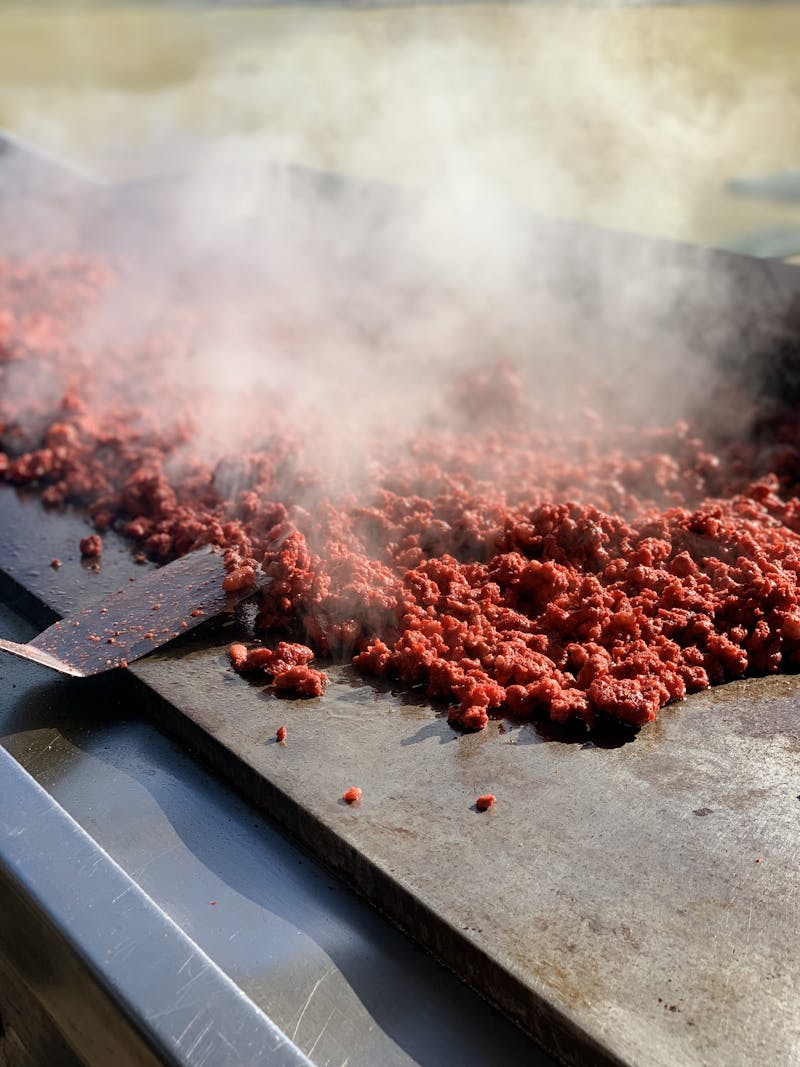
x: 515, y: 566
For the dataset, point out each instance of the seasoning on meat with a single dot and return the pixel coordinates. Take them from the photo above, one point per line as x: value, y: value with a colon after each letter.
x: 486, y: 801
x: 353, y: 795
x: 91, y: 546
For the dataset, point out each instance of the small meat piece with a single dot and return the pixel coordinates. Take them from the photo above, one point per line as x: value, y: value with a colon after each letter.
x: 259, y: 659
x: 467, y: 717
x: 629, y: 701
x: 293, y: 655
x: 280, y: 735
x: 55, y: 564
x: 352, y: 795
x: 91, y: 546
x: 238, y: 655
x: 302, y: 681
x: 484, y: 802
x: 241, y: 578
x: 278, y: 660
x: 374, y: 659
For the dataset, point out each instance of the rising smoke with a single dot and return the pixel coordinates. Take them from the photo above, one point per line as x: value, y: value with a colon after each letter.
x: 357, y: 304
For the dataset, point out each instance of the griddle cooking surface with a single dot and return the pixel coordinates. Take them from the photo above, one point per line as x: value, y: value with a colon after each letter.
x: 612, y: 901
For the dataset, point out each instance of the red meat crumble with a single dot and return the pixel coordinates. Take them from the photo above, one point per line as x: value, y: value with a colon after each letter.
x: 273, y: 661
x: 300, y: 681
x: 280, y: 734
x: 525, y: 564
x: 483, y: 803
x: 352, y: 795
x: 240, y: 578
x: 91, y: 546
x: 258, y: 659
x: 238, y: 655
x: 283, y: 657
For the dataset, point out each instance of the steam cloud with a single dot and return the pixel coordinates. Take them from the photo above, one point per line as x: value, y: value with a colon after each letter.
x: 357, y: 304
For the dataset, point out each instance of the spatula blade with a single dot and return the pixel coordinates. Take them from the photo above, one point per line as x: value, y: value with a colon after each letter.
x: 152, y: 609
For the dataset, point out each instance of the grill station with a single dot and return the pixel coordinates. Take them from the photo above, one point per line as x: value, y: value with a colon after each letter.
x: 624, y: 904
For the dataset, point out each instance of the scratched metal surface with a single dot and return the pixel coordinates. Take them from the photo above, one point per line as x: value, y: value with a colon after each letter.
x: 642, y: 896
x: 612, y: 902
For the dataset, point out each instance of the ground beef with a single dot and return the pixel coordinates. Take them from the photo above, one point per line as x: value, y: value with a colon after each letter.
x: 238, y: 655
x: 273, y: 661
x: 280, y: 735
x: 238, y: 579
x: 519, y: 563
x: 352, y: 795
x: 300, y: 681
x: 484, y: 802
x: 286, y: 655
x: 91, y: 546
x: 257, y: 659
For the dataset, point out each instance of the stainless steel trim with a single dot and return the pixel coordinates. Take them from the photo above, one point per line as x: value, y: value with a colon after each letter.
x: 122, y: 982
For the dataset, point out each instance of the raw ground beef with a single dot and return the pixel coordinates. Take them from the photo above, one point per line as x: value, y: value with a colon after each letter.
x: 518, y: 563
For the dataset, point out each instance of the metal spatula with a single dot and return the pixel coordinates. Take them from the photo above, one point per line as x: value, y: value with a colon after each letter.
x: 151, y: 610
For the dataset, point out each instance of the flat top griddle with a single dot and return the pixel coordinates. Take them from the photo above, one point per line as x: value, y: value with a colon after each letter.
x: 629, y: 904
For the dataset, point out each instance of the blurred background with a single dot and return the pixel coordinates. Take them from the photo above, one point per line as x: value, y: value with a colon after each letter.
x: 672, y: 120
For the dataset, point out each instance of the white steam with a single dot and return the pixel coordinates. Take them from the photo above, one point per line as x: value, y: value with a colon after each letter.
x: 358, y: 305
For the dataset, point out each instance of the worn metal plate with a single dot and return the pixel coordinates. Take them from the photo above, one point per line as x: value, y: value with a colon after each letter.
x: 628, y: 904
